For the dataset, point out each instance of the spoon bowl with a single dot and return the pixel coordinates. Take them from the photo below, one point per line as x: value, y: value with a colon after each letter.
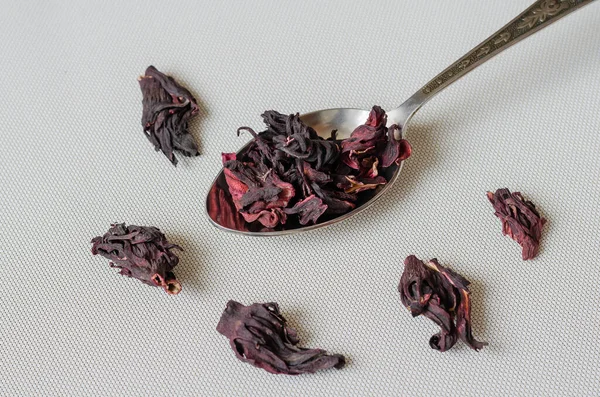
x: 219, y: 205
x: 344, y: 120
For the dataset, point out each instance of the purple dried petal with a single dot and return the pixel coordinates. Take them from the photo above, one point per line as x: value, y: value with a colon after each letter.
x: 140, y: 252
x: 366, y: 139
x: 463, y: 312
x: 299, y: 141
x: 520, y: 220
x: 258, y: 335
x: 261, y: 193
x: 258, y: 195
x: 226, y: 157
x: 416, y: 286
x: 369, y: 167
x: 309, y: 209
x: 313, y: 175
x: 395, y: 150
x: 377, y: 117
x: 442, y: 296
x: 237, y: 188
x: 167, y: 109
x: 286, y: 194
x: 446, y: 338
x: 268, y: 218
x: 337, y: 202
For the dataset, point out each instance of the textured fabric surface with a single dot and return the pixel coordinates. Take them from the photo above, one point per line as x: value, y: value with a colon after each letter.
x: 74, y: 159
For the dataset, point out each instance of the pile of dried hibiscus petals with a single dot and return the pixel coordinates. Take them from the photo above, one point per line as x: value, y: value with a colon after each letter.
x: 289, y: 170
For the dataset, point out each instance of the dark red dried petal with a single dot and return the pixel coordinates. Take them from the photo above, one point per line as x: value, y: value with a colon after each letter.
x: 167, y: 109
x: 309, y: 209
x: 442, y: 296
x: 236, y: 187
x: 520, y: 220
x: 369, y: 167
x: 447, y: 337
x: 463, y: 322
x: 377, y: 117
x: 257, y: 192
x: 368, y: 134
x: 140, y: 252
x: 259, y: 335
x: 337, y: 202
x: 416, y: 285
x: 315, y: 176
x: 395, y: 150
x: 264, y: 194
x: 268, y: 218
x: 463, y: 312
x: 286, y: 194
x: 299, y: 141
x: 226, y: 157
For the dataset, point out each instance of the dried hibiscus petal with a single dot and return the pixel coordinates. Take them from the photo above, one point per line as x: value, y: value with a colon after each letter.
x: 442, y: 296
x: 259, y: 335
x: 520, y: 220
x: 396, y: 150
x: 365, y: 138
x: 374, y: 139
x: 167, y: 109
x: 258, y: 193
x: 140, y: 252
x: 309, y: 209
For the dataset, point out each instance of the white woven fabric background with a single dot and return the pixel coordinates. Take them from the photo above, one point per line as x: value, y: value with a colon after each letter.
x: 74, y: 159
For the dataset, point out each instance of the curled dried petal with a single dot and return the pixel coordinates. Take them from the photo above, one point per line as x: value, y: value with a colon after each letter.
x: 337, y: 202
x: 520, y: 220
x: 315, y: 176
x: 370, y: 167
x: 446, y: 338
x: 259, y: 335
x: 258, y: 193
x: 396, y: 150
x: 309, y: 209
x: 442, y: 296
x: 416, y: 285
x: 268, y: 218
x: 377, y: 117
x: 167, y: 109
x: 140, y: 252
x: 366, y: 140
x: 463, y: 312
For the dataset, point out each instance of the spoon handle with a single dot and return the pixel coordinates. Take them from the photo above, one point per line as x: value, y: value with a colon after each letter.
x: 541, y: 14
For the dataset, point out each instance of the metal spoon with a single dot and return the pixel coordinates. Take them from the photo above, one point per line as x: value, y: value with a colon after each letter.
x: 539, y: 15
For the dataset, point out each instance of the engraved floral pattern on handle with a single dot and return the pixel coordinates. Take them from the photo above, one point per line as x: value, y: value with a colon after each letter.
x: 540, y: 13
x: 548, y: 8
